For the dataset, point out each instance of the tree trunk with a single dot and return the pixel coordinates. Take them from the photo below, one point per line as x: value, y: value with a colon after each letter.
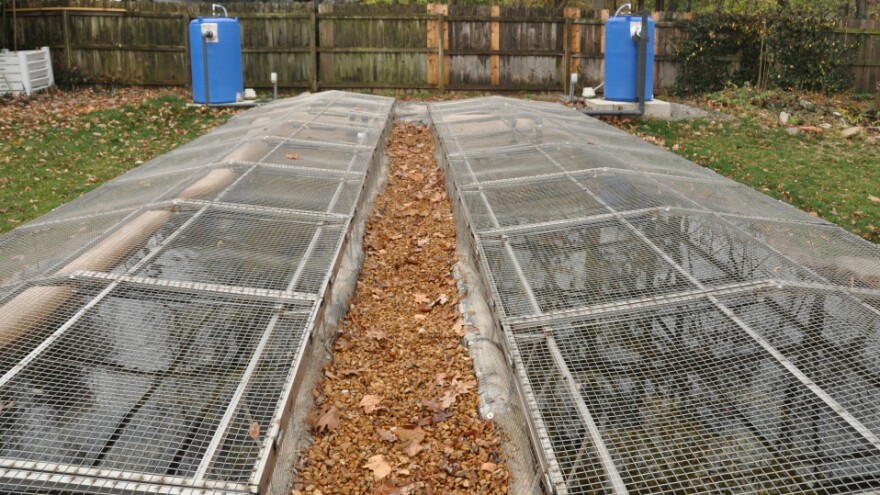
x: 861, y: 9
x: 673, y: 6
x: 660, y: 5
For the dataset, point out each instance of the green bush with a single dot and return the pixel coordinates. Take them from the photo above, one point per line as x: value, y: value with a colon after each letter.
x: 783, y: 50
x: 718, y: 49
x: 803, y: 52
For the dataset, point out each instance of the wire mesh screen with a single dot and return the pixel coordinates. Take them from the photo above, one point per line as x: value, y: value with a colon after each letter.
x: 151, y: 331
x: 672, y: 331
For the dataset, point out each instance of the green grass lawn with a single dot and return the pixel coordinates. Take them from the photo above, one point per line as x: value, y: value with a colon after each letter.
x: 51, y: 159
x: 823, y: 174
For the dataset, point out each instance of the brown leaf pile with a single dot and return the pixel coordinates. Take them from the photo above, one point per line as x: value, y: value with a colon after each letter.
x: 397, y: 407
x: 55, y: 107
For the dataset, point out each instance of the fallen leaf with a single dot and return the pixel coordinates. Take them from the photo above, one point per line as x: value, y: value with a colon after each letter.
x: 329, y: 421
x: 375, y: 245
x: 432, y: 405
x: 410, y: 433
x: 409, y: 489
x: 6, y: 405
x: 376, y: 334
x: 350, y: 372
x: 421, y: 298
x: 412, y: 449
x: 441, y: 416
x: 813, y: 129
x: 254, y: 430
x: 292, y: 156
x: 873, y: 198
x: 379, y: 467
x: 458, y: 328
x: 489, y: 466
x: 464, y: 387
x: 448, y: 399
x: 441, y: 300
x: 370, y: 403
x: 386, y: 435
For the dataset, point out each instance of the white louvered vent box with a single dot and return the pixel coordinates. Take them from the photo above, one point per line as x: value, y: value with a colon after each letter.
x: 25, y: 71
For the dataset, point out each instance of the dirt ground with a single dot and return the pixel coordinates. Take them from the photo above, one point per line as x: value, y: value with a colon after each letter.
x: 397, y: 406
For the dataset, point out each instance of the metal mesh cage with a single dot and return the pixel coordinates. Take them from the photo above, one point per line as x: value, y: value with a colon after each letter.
x: 152, y: 330
x: 671, y: 331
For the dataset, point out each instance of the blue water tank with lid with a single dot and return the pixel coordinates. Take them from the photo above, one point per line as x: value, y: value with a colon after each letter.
x: 621, y: 58
x: 215, y: 58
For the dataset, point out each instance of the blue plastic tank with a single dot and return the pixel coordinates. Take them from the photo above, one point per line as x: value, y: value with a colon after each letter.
x: 621, y: 58
x: 223, y: 44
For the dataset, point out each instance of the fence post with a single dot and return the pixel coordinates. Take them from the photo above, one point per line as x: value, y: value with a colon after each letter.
x: 495, y: 32
x: 313, y: 51
x: 436, y: 39
x: 65, y: 29
x: 184, y: 20
x: 566, y: 54
x: 326, y: 61
x: 574, y: 40
x: 441, y: 58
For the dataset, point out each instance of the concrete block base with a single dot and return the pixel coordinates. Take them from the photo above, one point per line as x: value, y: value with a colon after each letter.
x: 655, y: 109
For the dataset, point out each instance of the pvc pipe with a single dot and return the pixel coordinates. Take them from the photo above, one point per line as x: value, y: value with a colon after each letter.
x: 28, y: 309
x: 215, y: 6
x: 213, y: 181
x: 109, y: 252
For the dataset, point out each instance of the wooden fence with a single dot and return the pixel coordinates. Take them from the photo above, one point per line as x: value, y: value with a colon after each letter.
x: 433, y: 47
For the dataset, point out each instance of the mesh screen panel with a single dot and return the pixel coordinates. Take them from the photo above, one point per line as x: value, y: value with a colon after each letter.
x: 672, y: 331
x: 151, y: 330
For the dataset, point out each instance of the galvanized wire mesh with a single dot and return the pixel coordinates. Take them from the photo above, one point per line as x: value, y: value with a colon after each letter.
x: 671, y: 331
x: 151, y: 331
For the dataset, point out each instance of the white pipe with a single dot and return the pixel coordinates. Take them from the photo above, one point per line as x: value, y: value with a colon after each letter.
x: 215, y: 6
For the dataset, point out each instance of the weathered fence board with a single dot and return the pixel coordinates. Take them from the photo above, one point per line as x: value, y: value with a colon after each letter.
x: 363, y: 46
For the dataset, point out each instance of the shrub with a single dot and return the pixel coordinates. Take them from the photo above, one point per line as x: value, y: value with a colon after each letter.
x: 784, y: 50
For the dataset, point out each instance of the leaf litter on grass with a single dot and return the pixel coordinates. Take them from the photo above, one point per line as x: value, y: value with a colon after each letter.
x: 402, y: 384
